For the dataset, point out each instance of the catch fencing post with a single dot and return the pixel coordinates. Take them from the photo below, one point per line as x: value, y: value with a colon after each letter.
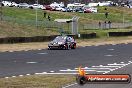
x: 75, y: 25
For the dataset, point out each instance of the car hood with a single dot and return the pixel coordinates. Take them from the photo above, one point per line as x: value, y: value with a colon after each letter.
x: 57, y: 42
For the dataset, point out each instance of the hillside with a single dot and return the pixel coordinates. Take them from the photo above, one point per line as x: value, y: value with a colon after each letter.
x: 21, y: 22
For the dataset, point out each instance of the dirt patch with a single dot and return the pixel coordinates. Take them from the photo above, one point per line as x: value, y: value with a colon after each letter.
x: 103, y: 41
x: 23, y: 46
x: 80, y: 42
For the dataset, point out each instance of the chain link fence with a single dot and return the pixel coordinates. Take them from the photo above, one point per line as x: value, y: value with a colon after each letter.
x: 66, y: 26
x: 106, y: 25
x: 43, y: 23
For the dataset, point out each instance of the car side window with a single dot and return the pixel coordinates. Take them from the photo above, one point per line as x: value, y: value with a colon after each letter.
x: 69, y: 39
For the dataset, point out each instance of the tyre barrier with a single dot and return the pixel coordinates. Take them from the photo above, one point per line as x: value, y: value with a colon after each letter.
x: 11, y: 40
x: 120, y: 33
x: 84, y: 36
x: 87, y: 36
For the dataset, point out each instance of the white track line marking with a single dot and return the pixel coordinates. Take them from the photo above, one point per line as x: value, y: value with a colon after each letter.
x: 111, y: 49
x: 56, y: 73
x: 117, y: 64
x: 106, y: 66
x: 122, y: 62
x: 20, y: 75
x: 52, y: 71
x: 69, y: 85
x: 42, y: 53
x: 108, y: 55
x: 102, y: 71
x: 73, y: 70
x: 130, y: 61
x: 13, y: 76
x: 105, y: 72
x: 112, y: 69
x: 94, y: 68
x: 27, y: 74
x: 31, y: 62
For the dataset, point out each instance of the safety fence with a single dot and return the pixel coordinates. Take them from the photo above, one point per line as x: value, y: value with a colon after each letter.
x: 107, y: 25
x: 10, y: 40
x: 45, y: 23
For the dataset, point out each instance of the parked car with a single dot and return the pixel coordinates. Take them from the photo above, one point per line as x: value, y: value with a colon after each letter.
x: 62, y: 42
x: 23, y: 5
x: 6, y: 3
x: 36, y: 6
x: 87, y: 10
x: 53, y: 9
x: 60, y: 8
x: 13, y: 4
x: 90, y: 10
x: 47, y: 7
x: 80, y: 10
x: 43, y: 8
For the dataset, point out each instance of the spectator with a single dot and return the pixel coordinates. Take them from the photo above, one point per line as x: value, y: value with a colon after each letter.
x: 99, y: 24
x: 106, y: 15
x: 109, y: 23
x: 105, y: 9
x: 49, y: 17
x: 105, y: 24
x: 45, y: 14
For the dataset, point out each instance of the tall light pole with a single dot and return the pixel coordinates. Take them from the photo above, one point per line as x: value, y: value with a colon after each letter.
x: 1, y: 10
x: 123, y: 18
x: 37, y: 14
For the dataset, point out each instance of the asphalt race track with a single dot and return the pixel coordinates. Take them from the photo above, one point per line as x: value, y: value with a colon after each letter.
x: 103, y: 59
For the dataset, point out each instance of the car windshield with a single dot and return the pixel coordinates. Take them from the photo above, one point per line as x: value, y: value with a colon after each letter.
x: 60, y: 39
x: 23, y: 3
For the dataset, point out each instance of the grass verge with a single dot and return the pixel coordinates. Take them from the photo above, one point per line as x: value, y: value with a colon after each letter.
x: 37, y: 81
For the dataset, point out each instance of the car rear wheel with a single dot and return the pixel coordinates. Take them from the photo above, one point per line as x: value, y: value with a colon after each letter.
x: 74, y: 46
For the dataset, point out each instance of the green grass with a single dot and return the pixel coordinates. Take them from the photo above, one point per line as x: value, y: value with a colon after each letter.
x: 9, y: 29
x: 22, y: 26
x: 115, y: 14
x: 17, y: 30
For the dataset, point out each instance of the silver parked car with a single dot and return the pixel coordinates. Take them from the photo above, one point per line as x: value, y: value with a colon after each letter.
x: 23, y: 5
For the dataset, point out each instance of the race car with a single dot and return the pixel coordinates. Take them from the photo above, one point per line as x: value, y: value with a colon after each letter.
x: 62, y: 42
